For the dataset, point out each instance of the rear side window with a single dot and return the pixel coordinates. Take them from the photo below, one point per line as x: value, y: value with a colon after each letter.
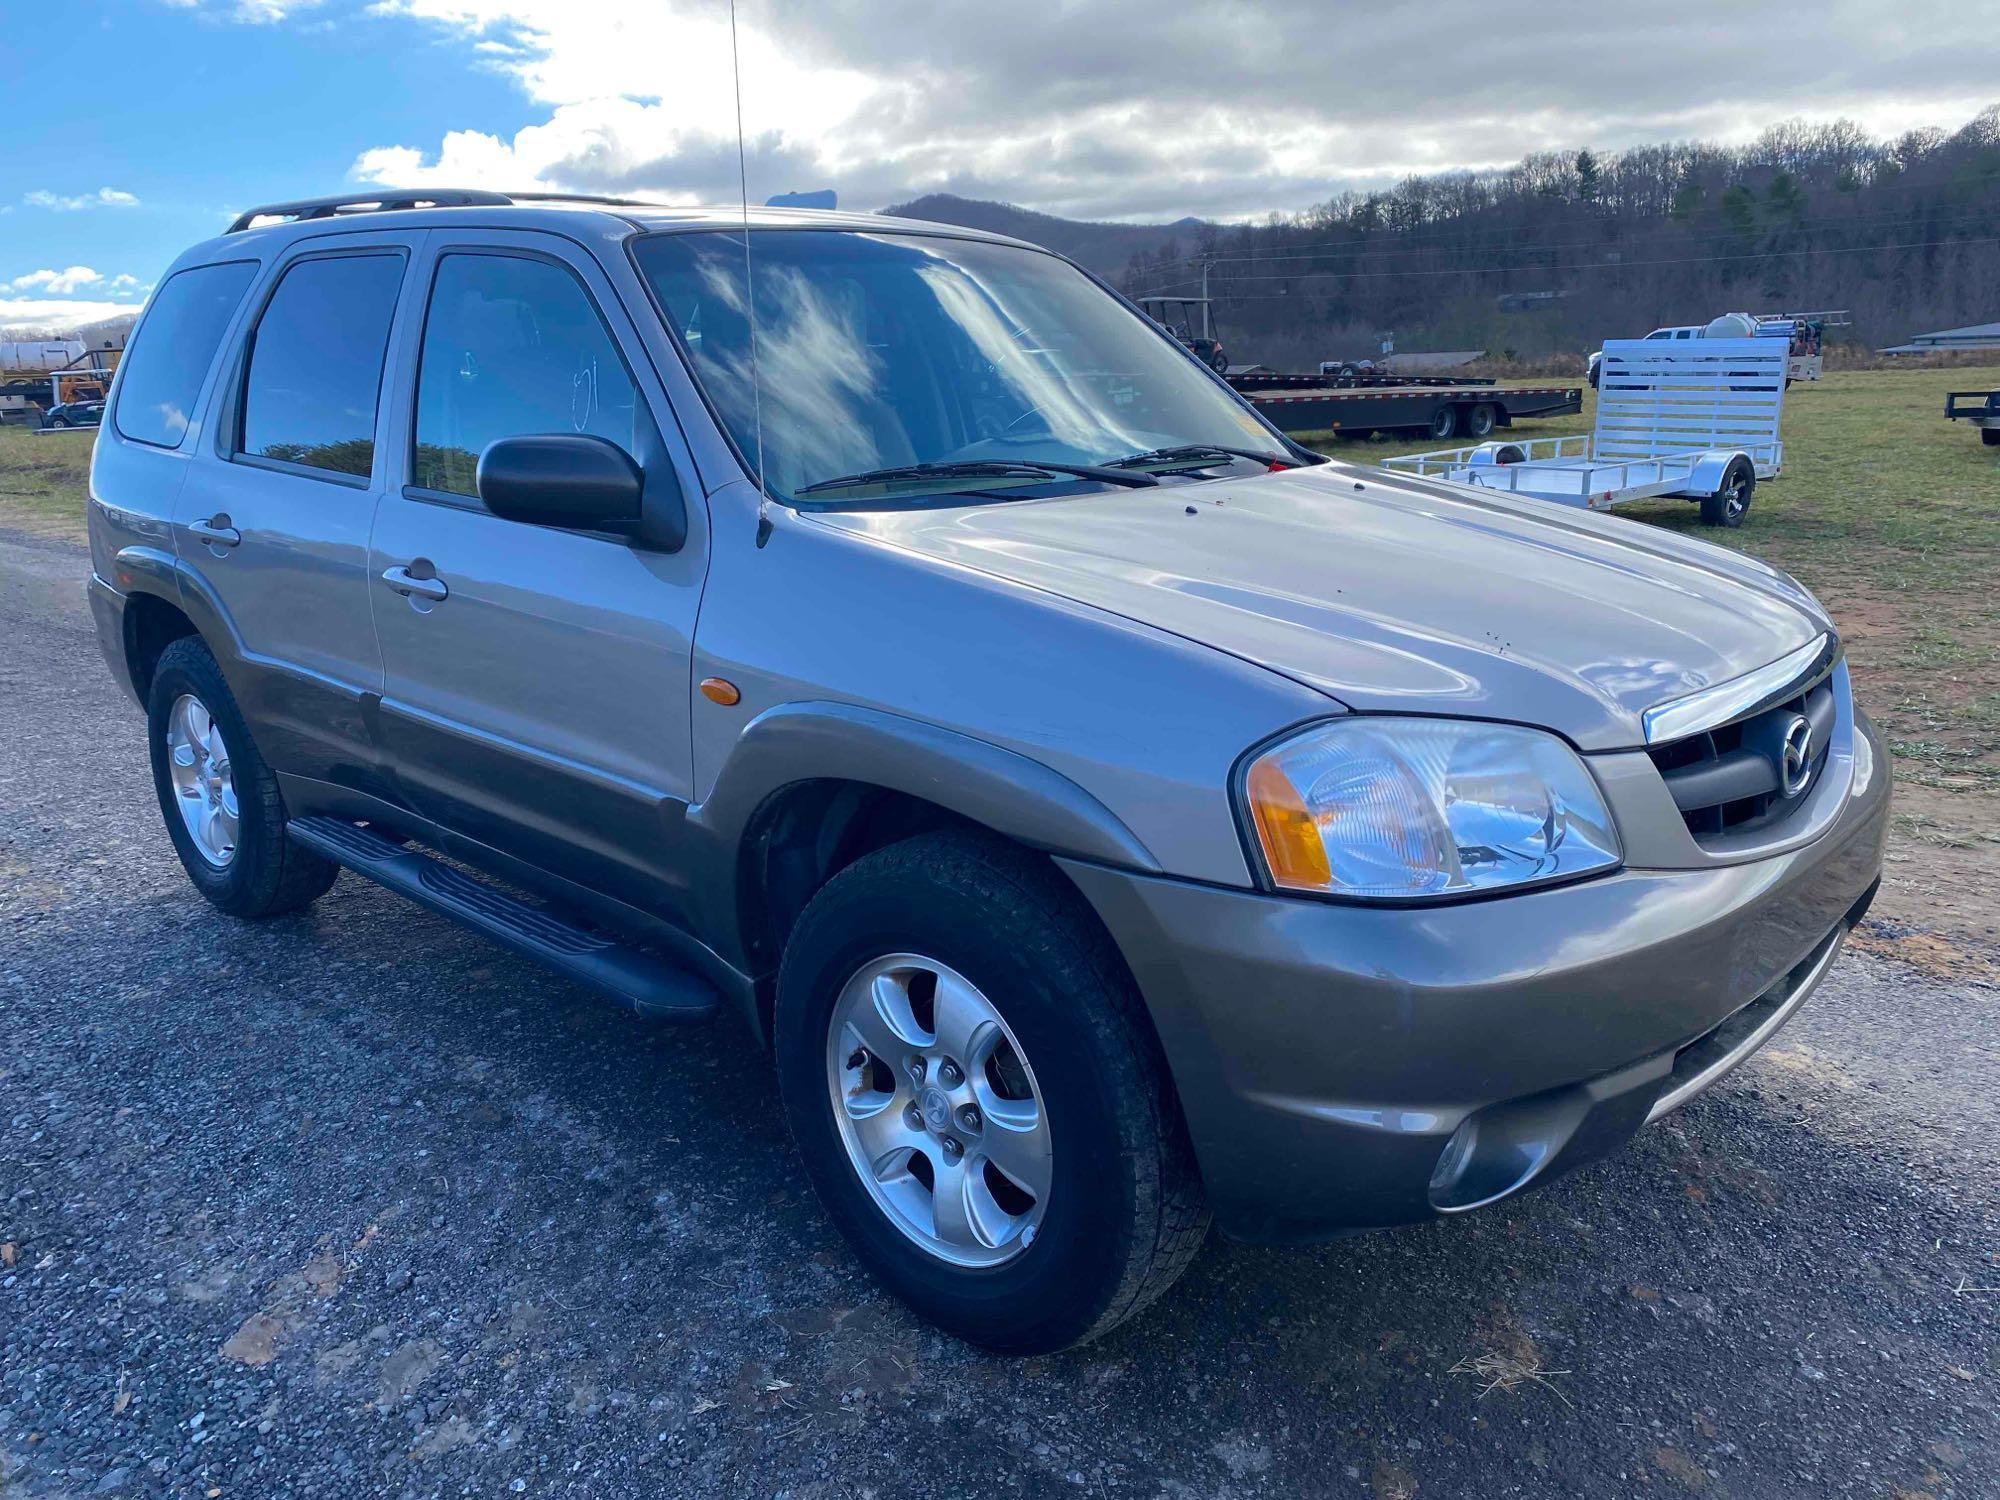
x: 166, y: 365
x: 316, y: 364
x: 512, y: 347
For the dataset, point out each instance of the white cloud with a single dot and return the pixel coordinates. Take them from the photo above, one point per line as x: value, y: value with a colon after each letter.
x: 51, y: 289
x: 247, y: 12
x: 1128, y: 108
x: 58, y: 313
x: 104, y: 197
x: 61, y: 283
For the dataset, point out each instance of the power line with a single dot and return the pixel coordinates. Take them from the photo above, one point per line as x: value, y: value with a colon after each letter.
x: 1625, y: 265
x: 1352, y: 250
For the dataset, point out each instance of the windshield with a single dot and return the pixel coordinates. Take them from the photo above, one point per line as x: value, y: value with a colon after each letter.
x: 887, y: 351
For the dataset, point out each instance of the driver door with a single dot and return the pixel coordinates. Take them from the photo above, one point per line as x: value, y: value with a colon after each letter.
x: 536, y: 679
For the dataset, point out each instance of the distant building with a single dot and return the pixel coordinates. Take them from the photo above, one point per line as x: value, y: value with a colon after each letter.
x: 1948, y: 340
x: 820, y: 198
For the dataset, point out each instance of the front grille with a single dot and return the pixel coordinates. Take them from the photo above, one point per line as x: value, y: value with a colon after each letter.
x: 1731, y: 779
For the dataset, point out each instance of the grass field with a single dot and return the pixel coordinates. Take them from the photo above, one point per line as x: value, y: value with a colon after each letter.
x: 43, y: 478
x: 1889, y: 513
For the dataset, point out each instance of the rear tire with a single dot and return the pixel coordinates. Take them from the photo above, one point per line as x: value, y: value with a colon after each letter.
x: 262, y: 872
x: 1123, y: 1212
x: 1480, y: 422
x: 1731, y: 502
x: 1990, y: 436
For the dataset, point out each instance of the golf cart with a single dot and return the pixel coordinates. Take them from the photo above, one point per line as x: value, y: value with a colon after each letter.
x: 1182, y: 316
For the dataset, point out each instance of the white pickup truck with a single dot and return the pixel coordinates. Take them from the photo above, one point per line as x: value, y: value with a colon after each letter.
x: 1806, y: 332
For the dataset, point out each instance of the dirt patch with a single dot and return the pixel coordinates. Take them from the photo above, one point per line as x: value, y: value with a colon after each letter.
x: 1938, y: 909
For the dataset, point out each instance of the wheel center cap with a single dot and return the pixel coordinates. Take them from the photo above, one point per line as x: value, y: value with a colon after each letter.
x: 936, y: 1108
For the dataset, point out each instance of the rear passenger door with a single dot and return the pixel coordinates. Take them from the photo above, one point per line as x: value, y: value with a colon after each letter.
x: 536, y: 698
x: 274, y: 519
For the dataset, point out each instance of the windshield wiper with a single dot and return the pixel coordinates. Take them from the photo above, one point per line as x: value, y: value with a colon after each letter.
x: 1193, y: 453
x: 982, y: 468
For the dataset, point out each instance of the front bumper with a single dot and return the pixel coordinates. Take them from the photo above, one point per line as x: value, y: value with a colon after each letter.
x: 1346, y: 1067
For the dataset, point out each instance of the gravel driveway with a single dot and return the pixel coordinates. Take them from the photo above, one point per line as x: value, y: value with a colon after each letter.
x: 353, y: 1203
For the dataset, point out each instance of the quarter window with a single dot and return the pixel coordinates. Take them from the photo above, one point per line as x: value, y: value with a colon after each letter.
x: 316, y: 363
x: 164, y: 371
x: 512, y: 347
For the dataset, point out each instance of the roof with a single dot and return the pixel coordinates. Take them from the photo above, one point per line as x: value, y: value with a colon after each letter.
x: 1974, y: 336
x: 433, y: 207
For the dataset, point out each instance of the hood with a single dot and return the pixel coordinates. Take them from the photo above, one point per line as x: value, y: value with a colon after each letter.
x: 1396, y: 595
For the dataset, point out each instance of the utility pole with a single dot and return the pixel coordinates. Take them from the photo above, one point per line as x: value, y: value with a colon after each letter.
x: 1207, y: 319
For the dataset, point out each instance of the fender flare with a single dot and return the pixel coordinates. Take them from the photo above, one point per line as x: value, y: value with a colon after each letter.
x: 1709, y: 469
x: 1005, y: 790
x: 155, y: 571
x: 798, y: 743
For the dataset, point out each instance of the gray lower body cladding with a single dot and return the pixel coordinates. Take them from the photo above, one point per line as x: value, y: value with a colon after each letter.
x: 1348, y: 1067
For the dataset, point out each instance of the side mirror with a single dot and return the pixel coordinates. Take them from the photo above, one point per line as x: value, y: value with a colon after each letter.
x: 562, y: 479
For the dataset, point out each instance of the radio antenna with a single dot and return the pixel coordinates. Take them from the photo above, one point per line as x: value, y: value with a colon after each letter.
x: 749, y: 287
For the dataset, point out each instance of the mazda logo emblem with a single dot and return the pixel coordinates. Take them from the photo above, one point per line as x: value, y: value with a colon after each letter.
x: 1795, y: 766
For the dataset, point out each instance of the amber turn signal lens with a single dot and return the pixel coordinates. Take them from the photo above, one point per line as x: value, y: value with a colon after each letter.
x: 1292, y: 846
x: 720, y: 690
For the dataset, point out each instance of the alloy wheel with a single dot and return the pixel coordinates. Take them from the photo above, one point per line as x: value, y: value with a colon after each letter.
x: 939, y: 1110
x: 204, y: 786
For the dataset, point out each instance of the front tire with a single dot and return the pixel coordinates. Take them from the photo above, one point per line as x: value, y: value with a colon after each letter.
x: 1091, y: 1206
x: 1990, y: 436
x: 220, y: 800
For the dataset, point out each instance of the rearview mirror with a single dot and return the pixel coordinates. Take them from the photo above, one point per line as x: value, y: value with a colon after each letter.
x: 561, y: 479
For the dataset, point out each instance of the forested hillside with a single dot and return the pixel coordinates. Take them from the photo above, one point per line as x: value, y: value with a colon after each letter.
x: 1103, y: 246
x: 1906, y: 233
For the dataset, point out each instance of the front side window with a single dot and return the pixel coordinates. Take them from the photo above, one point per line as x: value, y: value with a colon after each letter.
x: 165, y: 368
x: 512, y: 348
x: 877, y: 351
x: 315, y: 368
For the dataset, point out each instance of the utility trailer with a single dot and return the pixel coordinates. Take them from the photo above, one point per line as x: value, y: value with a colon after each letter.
x: 1980, y: 408
x: 1443, y: 411
x: 1698, y: 420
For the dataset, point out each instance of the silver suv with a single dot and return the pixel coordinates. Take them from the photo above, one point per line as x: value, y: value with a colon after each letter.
x: 1109, y: 812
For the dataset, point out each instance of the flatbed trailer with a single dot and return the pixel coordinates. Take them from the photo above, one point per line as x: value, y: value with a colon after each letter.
x: 1980, y: 408
x: 1440, y: 411
x: 1350, y: 379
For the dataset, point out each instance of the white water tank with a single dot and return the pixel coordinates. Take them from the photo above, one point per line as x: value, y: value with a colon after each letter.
x: 39, y: 354
x: 1731, y: 326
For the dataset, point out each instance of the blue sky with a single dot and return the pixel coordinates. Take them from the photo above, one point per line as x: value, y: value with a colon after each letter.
x: 190, y: 116
x: 161, y: 117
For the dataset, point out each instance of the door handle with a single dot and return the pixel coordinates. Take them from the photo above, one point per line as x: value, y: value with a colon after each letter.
x: 216, y: 531
x: 406, y: 583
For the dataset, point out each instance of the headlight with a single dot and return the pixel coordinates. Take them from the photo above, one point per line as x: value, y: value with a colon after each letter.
x: 1385, y: 808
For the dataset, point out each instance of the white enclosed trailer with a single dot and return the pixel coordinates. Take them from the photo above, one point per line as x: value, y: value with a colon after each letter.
x: 1697, y: 419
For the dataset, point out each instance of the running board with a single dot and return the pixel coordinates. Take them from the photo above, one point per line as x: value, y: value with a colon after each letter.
x: 638, y: 980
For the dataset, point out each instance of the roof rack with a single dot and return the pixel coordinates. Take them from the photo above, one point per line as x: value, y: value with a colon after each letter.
x: 387, y: 200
